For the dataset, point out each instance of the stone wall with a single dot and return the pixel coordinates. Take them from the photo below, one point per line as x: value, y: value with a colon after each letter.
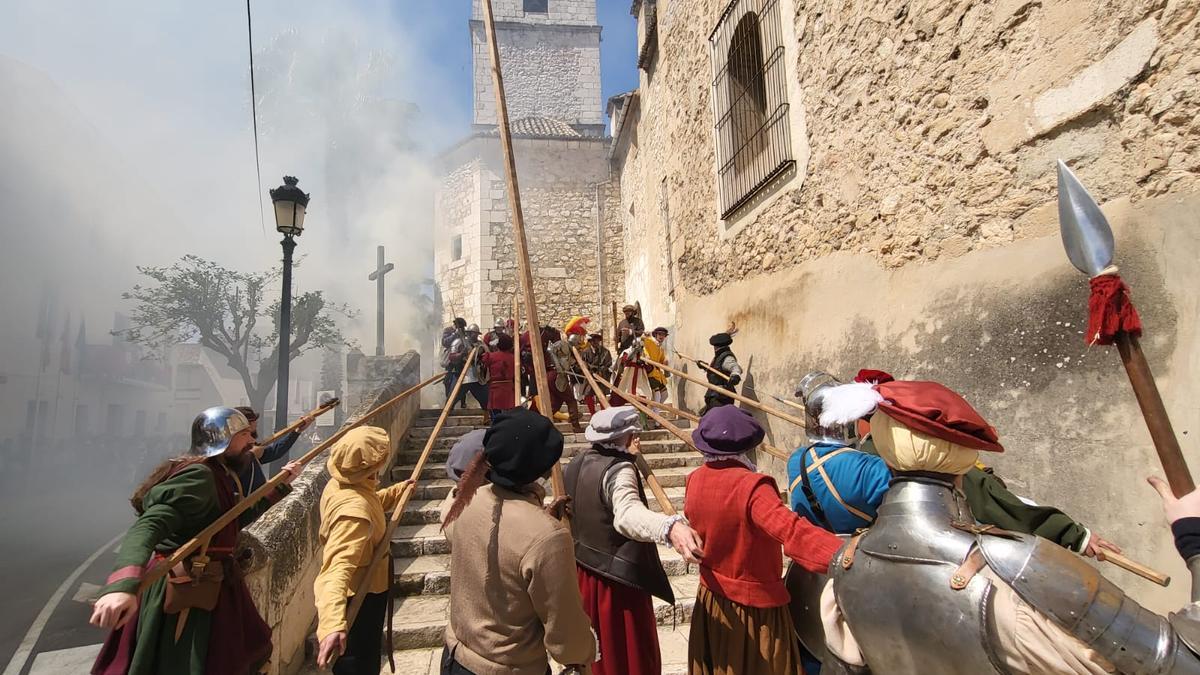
x: 564, y: 187
x: 549, y: 71
x: 283, y: 545
x: 919, y: 232
x: 561, y: 12
x: 456, y: 214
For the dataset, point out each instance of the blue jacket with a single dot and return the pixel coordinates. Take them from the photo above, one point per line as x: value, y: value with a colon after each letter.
x: 252, y: 476
x: 861, y: 479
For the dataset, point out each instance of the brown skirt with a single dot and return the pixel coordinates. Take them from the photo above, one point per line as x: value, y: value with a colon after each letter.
x: 728, y: 638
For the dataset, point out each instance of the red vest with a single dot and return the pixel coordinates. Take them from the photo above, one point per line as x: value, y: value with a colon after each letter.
x: 740, y: 562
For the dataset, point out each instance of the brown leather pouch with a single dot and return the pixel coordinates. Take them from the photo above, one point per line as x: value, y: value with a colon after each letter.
x: 193, y: 589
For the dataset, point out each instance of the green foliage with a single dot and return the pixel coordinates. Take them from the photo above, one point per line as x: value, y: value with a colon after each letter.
x: 226, y: 311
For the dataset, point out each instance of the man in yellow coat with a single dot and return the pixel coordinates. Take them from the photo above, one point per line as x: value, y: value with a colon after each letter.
x: 353, y: 521
x: 653, y: 350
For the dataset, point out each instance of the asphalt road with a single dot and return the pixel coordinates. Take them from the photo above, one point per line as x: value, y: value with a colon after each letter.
x: 48, y: 528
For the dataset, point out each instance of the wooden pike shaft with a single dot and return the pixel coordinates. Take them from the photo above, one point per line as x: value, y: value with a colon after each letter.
x: 644, y: 467
x: 1137, y: 568
x: 516, y: 352
x: 219, y: 524
x: 725, y: 377
x: 731, y: 394
x: 379, y: 555
x: 770, y: 449
x: 314, y: 413
x: 518, y: 218
x: 1155, y: 412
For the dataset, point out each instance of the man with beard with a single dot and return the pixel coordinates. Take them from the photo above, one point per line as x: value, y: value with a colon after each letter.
x: 207, y: 625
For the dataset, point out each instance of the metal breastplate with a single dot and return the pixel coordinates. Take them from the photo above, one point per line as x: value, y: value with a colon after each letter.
x: 896, y: 595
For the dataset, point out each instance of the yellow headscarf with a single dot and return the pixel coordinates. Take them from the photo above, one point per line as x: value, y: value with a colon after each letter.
x: 357, y: 457
x: 906, y: 450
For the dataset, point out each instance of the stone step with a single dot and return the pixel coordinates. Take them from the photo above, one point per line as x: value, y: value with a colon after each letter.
x: 441, y: 449
x: 420, y: 621
x: 469, y: 417
x: 424, y: 511
x: 435, y: 467
x: 672, y: 642
x: 430, y: 574
x: 436, y: 486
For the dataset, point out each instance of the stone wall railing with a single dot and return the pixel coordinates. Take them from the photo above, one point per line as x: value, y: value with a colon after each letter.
x: 284, y: 546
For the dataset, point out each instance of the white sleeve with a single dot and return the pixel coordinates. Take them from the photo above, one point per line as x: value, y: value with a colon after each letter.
x: 631, y: 517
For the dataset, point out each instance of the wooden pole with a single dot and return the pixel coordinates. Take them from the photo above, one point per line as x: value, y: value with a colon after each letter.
x: 770, y: 449
x: 378, y: 556
x: 731, y: 394
x: 725, y: 377
x: 219, y: 524
x: 616, y: 333
x: 516, y: 352
x: 518, y: 218
x: 1150, y: 401
x: 643, y: 466
x: 1137, y: 568
x: 314, y: 413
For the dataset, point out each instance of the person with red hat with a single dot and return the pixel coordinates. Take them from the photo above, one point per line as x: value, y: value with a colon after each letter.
x: 740, y: 622
x: 988, y: 600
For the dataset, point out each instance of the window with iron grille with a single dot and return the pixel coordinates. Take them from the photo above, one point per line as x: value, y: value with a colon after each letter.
x: 750, y: 105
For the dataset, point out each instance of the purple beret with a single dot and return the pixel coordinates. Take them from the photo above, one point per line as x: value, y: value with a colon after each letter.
x: 727, y: 430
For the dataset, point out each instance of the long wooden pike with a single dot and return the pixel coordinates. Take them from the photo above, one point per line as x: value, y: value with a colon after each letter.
x: 770, y: 449
x: 253, y: 498
x: 725, y: 377
x: 314, y: 413
x: 643, y: 466
x: 516, y: 329
x: 379, y: 555
x: 725, y: 392
x: 522, y: 246
x: 1089, y: 243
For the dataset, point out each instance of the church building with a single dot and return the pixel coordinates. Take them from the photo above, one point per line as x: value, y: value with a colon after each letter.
x: 550, y: 54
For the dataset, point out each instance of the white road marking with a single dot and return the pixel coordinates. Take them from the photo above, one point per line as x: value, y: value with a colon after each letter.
x: 21, y: 656
x: 85, y: 593
x: 76, y: 660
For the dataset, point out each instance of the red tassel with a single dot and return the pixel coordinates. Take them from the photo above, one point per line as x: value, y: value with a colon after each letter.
x: 1110, y: 311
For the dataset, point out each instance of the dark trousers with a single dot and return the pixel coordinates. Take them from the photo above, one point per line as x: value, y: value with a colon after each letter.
x: 452, y: 667
x: 714, y: 400
x: 449, y: 380
x: 478, y: 391
x: 364, y: 644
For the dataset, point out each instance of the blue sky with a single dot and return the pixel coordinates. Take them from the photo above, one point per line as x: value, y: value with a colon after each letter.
x: 444, y: 31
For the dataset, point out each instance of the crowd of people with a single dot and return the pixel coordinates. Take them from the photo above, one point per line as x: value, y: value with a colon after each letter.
x: 889, y: 492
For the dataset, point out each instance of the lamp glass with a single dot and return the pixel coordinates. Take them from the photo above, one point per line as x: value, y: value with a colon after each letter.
x: 289, y: 217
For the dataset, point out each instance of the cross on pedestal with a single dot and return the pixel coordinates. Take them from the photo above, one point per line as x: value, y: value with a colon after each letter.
x: 377, y: 276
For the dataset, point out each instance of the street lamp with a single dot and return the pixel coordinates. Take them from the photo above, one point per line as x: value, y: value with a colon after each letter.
x: 290, y: 205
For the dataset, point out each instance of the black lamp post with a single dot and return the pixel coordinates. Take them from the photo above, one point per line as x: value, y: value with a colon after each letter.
x: 290, y: 205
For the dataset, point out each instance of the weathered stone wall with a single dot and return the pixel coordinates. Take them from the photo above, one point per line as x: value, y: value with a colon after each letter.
x: 564, y: 185
x: 283, y: 544
x: 561, y: 12
x: 549, y: 71
x: 456, y: 214
x: 613, y: 258
x: 919, y: 235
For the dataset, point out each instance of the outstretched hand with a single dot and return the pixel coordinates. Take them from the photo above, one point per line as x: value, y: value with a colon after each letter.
x: 1187, y: 506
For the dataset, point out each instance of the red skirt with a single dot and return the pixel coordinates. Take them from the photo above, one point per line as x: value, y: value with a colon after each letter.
x: 623, y: 618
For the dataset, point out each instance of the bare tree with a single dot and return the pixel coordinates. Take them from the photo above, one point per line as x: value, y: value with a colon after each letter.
x: 226, y: 312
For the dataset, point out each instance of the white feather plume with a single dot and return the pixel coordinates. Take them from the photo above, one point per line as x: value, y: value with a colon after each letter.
x: 847, y: 402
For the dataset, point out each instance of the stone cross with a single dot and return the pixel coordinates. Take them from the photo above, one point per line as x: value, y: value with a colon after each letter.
x: 377, y: 276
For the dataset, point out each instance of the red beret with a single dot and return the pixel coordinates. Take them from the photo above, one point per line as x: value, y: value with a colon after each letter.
x: 935, y: 410
x: 873, y: 376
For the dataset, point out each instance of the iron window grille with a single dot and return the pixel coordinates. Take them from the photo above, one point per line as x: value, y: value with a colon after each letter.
x: 750, y: 106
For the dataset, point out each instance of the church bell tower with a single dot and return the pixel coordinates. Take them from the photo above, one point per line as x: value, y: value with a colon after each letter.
x: 550, y: 53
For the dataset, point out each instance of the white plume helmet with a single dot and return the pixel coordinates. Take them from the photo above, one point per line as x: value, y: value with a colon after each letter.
x: 846, y: 403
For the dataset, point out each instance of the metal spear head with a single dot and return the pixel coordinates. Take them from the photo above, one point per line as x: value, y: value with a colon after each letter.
x: 1085, y: 231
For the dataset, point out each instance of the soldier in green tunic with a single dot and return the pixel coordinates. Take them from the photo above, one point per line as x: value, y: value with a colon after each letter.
x: 209, y: 627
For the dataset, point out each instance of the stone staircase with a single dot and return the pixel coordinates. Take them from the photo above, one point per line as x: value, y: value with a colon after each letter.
x: 422, y: 553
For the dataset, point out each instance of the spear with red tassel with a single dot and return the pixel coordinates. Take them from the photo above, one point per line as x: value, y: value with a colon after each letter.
x: 1112, y: 318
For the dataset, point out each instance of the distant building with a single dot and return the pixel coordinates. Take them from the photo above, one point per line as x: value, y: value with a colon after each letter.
x: 551, y: 62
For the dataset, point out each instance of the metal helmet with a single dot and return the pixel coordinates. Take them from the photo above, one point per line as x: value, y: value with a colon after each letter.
x: 213, y: 429
x: 500, y: 324
x: 810, y: 391
x: 473, y: 328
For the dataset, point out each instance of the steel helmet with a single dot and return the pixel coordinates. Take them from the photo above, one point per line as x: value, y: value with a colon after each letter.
x: 810, y: 392
x: 473, y: 328
x: 213, y: 429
